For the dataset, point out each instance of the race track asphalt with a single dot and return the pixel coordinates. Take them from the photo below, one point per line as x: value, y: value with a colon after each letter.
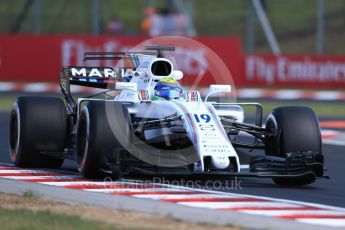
x: 325, y: 191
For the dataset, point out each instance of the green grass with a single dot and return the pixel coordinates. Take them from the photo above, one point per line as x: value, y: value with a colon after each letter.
x: 31, y: 194
x: 321, y: 109
x: 6, y: 102
x: 11, y: 219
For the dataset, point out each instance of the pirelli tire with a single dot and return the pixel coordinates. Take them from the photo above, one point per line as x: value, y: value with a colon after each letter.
x: 37, y: 124
x: 103, y: 130
x: 295, y: 129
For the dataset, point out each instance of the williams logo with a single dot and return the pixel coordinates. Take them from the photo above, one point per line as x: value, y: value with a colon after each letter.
x: 206, y: 127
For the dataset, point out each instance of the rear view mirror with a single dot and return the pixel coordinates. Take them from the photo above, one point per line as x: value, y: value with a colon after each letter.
x: 177, y: 75
x: 220, y: 88
x: 215, y: 89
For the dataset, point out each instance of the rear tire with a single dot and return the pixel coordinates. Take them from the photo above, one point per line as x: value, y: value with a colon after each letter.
x: 96, y: 142
x: 37, y: 124
x: 294, y: 129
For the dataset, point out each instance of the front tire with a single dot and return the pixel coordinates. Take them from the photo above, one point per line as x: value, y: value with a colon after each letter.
x: 37, y: 124
x: 98, y: 140
x: 293, y: 129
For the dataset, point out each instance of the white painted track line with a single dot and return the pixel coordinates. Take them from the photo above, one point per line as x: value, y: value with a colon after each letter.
x: 224, y: 205
x: 294, y: 212
x: 324, y: 221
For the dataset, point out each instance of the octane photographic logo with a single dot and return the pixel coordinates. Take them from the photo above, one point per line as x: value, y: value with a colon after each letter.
x: 167, y: 183
x: 201, y: 67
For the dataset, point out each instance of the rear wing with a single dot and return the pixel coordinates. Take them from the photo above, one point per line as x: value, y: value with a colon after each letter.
x: 102, y: 77
x: 151, y: 50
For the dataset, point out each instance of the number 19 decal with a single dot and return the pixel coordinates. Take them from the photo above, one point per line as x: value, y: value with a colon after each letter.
x: 203, y: 117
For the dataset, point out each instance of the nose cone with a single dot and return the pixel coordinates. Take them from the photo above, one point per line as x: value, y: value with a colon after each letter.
x: 220, y: 162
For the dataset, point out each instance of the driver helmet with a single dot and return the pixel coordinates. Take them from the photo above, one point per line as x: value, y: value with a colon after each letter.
x: 167, y: 88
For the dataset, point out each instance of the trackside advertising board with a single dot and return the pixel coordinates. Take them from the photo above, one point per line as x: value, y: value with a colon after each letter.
x: 29, y: 58
x: 292, y: 70
x: 40, y: 58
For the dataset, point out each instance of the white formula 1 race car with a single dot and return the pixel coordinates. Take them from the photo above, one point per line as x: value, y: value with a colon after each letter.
x: 145, y: 122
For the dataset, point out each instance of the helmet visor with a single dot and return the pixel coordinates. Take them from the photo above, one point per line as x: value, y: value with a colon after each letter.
x: 169, y: 94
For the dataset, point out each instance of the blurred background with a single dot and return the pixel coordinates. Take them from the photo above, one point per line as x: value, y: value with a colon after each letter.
x: 300, y: 26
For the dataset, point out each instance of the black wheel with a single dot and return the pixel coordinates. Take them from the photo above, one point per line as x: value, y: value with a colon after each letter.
x: 299, y: 181
x: 103, y: 130
x: 37, y: 124
x: 293, y: 129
